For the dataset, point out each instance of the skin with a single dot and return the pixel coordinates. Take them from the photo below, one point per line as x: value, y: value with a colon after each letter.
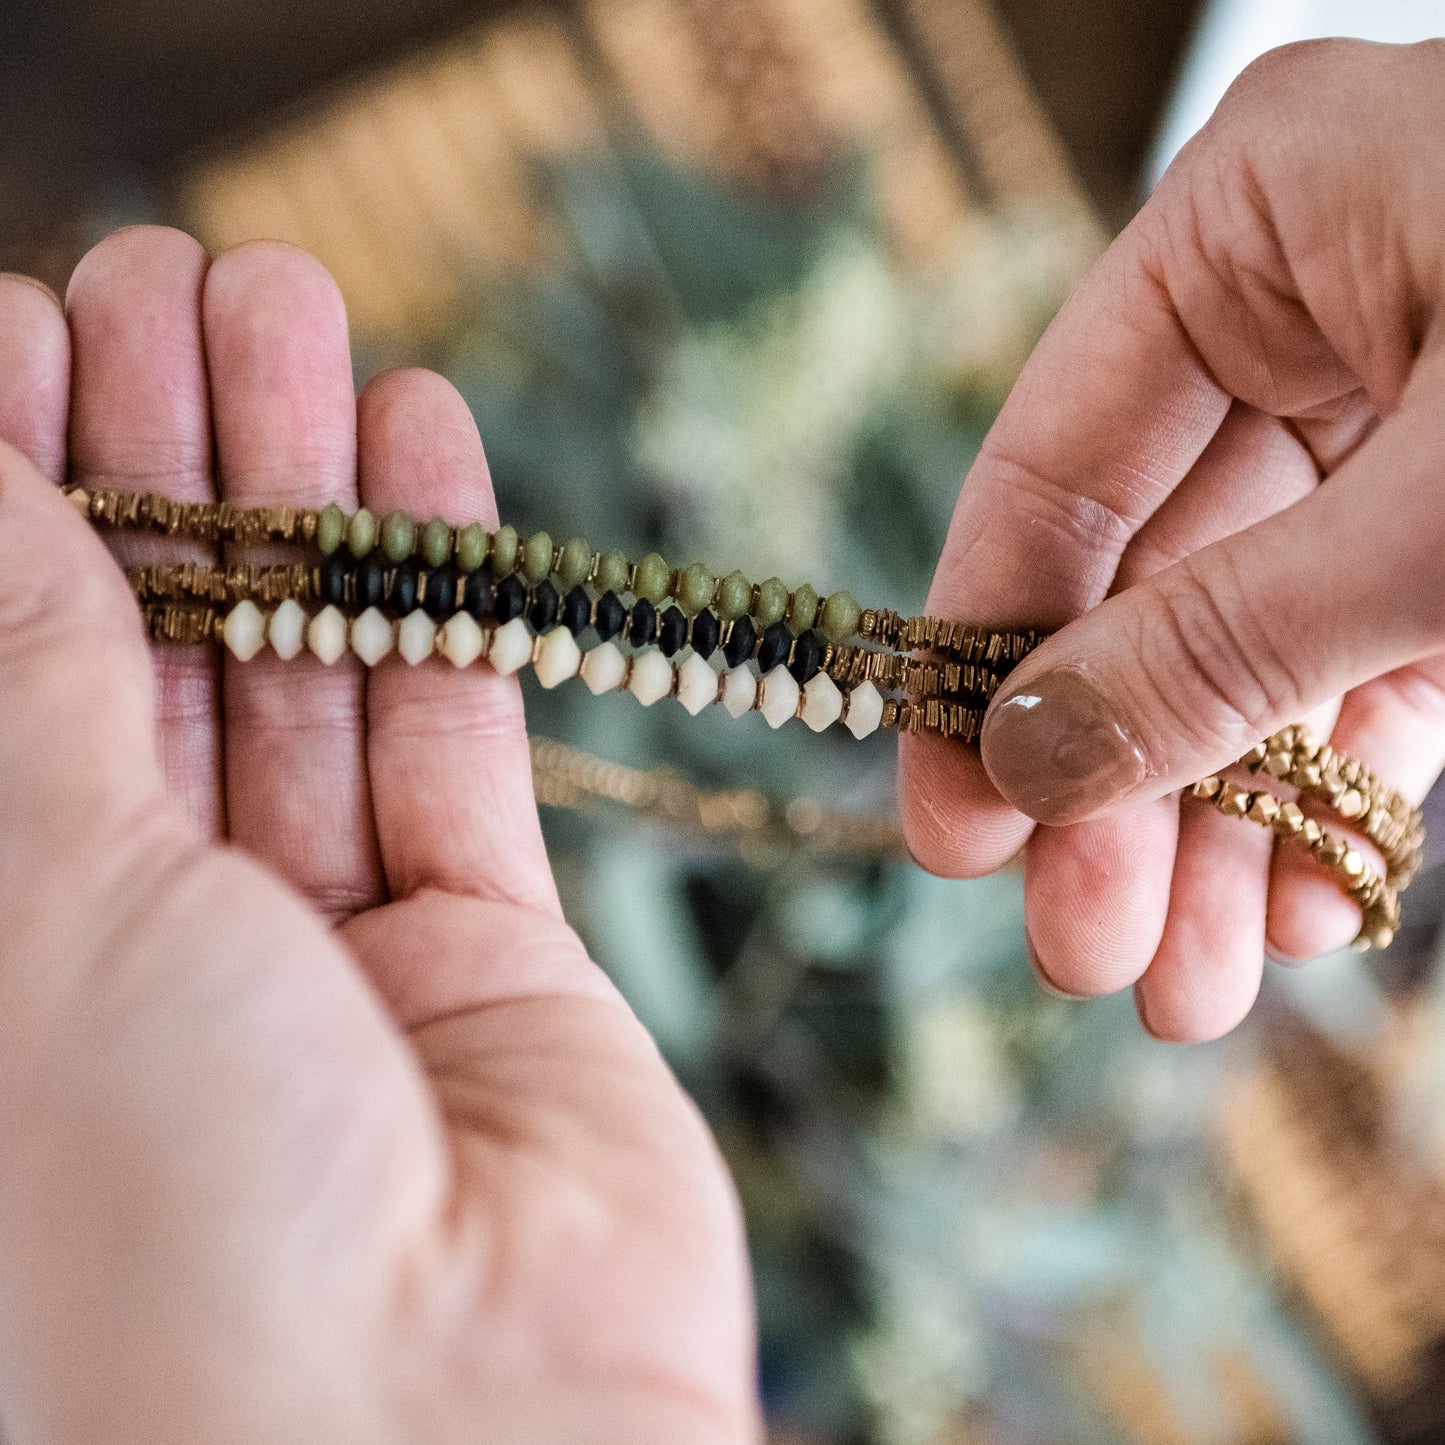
x: 1153, y: 488
x: 318, y: 1123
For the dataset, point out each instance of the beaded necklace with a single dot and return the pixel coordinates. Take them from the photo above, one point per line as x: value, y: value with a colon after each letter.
x: 468, y: 595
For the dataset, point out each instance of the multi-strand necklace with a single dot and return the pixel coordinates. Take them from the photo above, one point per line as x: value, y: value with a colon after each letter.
x: 429, y: 589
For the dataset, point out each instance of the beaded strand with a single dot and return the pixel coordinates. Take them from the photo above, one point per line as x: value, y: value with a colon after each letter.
x: 468, y: 594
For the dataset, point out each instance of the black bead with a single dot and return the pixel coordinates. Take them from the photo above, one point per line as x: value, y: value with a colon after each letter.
x: 544, y: 606
x: 611, y: 616
x: 333, y: 581
x: 402, y: 601
x: 671, y: 632
x: 370, y: 582
x: 807, y: 658
x: 576, y: 611
x: 642, y: 625
x: 441, y: 592
x: 774, y: 647
x: 477, y: 594
x: 741, y: 641
x: 705, y: 633
x: 511, y: 598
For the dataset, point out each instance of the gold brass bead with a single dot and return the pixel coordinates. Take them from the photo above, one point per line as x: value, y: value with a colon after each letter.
x: 1233, y: 801
x: 1207, y: 789
x: 1264, y: 808
x: 1289, y: 820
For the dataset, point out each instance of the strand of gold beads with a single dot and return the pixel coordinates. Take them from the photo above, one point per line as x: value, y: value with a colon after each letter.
x: 467, y: 594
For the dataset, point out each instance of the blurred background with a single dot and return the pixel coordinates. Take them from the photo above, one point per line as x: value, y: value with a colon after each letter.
x: 745, y: 280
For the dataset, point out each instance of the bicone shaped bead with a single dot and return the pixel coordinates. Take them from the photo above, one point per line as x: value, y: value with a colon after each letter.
x: 440, y: 595
x: 772, y: 602
x: 780, y: 696
x: 742, y: 639
x: 405, y: 591
x: 477, y: 595
x: 671, y: 631
x: 511, y: 647
x: 244, y: 631
x: 650, y: 578
x: 576, y: 611
x: 330, y: 529
x: 287, y: 629
x: 734, y: 596
x: 505, y: 545
x: 612, y: 572
x: 642, y: 623
x: 372, y: 636
x: 739, y: 690
x: 694, y: 587
x: 436, y: 543
x: 610, y: 616
x: 603, y: 668
x: 370, y: 582
x: 558, y: 658
x: 777, y: 642
x: 461, y: 640
x: 471, y: 549
x: 332, y: 576
x: 510, y: 599
x: 398, y: 536
x: 651, y: 677
x: 545, y: 602
x: 326, y: 636
x: 696, y: 684
x: 416, y: 637
x: 361, y: 533
x: 704, y: 633
x: 575, y: 562
x: 822, y: 702
x: 807, y: 657
x: 865, y: 710
x: 536, y: 557
x: 840, y: 617
x: 802, y: 608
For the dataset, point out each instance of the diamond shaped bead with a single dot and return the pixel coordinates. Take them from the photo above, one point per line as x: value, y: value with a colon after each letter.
x: 244, y: 630
x: 558, y: 658
x: 287, y: 629
x: 603, y: 668
x: 416, y: 637
x: 651, y: 677
x: 371, y: 637
x: 822, y: 702
x: 696, y: 684
x: 461, y: 640
x: 739, y: 691
x: 865, y: 710
x: 780, y: 696
x: 326, y: 636
x: 511, y: 647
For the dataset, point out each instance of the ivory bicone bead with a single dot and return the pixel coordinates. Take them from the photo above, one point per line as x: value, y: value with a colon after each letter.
x: 651, y: 677
x: 287, y: 629
x: 416, y: 637
x: 739, y: 690
x: 696, y: 684
x: 511, y: 647
x: 822, y: 702
x: 372, y: 636
x: 244, y: 630
x: 558, y: 658
x: 326, y: 636
x: 780, y: 696
x: 865, y: 710
x: 603, y: 668
x: 461, y: 640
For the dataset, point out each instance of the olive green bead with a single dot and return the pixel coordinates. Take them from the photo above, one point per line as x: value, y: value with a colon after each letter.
x: 436, y: 542
x: 398, y: 536
x: 575, y: 562
x: 772, y: 602
x: 471, y: 546
x: 537, y: 557
x: 612, y: 570
x: 841, y: 616
x: 694, y: 588
x: 652, y: 578
x: 802, y: 609
x: 504, y: 550
x: 734, y: 597
x: 330, y: 529
x: 361, y: 533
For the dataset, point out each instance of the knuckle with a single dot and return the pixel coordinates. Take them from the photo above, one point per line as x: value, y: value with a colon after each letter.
x: 1213, y: 662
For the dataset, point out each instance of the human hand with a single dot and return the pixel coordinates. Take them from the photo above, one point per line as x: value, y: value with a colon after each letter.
x: 356, y: 1144
x: 1270, y: 319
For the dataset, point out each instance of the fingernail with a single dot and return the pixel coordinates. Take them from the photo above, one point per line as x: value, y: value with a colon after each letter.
x: 1143, y: 1012
x: 1044, y: 981
x: 30, y: 281
x: 1055, y: 750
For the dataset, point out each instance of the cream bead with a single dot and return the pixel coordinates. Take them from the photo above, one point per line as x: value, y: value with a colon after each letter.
x: 603, y: 668
x: 822, y: 702
x: 372, y: 636
x: 780, y: 696
x: 461, y: 640
x: 739, y: 690
x: 244, y: 630
x: 326, y: 636
x: 287, y: 629
x: 511, y: 647
x: 558, y: 658
x: 416, y: 637
x: 865, y: 710
x: 651, y: 677
x: 696, y: 684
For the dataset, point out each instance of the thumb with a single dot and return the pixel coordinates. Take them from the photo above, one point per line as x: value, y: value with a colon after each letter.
x: 1179, y: 676
x: 76, y: 732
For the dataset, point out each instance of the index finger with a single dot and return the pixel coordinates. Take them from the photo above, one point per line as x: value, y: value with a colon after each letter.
x: 1110, y: 413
